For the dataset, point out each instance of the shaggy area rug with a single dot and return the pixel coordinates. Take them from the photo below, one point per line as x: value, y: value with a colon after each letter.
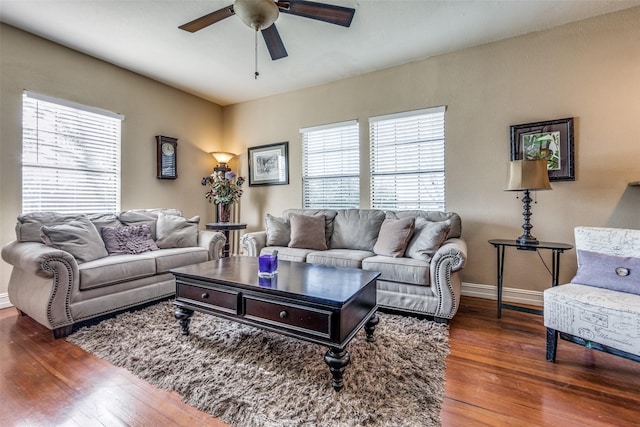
x: 249, y: 377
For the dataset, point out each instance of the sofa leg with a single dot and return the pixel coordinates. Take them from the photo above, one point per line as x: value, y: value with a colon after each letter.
x: 552, y: 344
x: 441, y: 320
x: 62, y: 331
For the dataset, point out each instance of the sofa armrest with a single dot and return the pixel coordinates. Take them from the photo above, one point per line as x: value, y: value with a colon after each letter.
x: 213, y: 241
x: 446, y: 262
x: 42, y: 281
x: 252, y: 243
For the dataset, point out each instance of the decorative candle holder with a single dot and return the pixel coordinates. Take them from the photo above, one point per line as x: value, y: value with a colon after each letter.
x: 268, y: 265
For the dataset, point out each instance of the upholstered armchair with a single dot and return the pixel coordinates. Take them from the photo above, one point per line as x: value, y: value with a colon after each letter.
x: 600, y: 308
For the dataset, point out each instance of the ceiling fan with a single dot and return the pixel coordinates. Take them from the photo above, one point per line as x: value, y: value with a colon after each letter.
x: 261, y: 15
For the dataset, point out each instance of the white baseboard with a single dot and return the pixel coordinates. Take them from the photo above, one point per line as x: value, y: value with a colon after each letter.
x: 4, y: 301
x: 519, y: 296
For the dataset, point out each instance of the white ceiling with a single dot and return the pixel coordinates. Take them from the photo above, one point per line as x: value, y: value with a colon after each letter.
x: 217, y: 63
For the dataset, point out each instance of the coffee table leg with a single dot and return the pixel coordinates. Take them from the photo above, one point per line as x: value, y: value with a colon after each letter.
x: 184, y: 316
x: 370, y: 326
x: 337, y: 360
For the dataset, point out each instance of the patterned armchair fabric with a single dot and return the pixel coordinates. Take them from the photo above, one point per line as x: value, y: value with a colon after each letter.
x: 600, y: 308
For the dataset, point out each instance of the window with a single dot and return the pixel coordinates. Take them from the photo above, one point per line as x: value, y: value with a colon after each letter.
x: 331, y: 166
x: 407, y: 160
x: 70, y: 156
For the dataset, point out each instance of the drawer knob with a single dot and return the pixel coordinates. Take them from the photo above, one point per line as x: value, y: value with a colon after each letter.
x: 283, y: 314
x: 205, y: 295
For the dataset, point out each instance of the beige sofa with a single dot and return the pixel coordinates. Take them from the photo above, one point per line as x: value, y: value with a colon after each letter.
x: 421, y: 277
x: 78, y: 275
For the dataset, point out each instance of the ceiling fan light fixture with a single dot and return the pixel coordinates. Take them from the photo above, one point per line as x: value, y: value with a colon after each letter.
x: 256, y: 14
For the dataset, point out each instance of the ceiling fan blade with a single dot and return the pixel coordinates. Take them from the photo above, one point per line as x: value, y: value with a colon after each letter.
x: 274, y: 42
x: 206, y: 20
x: 332, y: 14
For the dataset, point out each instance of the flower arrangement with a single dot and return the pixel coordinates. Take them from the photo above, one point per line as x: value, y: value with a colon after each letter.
x: 224, y: 188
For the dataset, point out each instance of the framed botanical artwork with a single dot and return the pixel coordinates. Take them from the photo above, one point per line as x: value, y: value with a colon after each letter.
x: 269, y: 164
x: 551, y: 140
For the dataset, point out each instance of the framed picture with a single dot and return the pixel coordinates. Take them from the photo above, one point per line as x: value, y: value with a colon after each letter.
x: 269, y: 164
x: 552, y: 140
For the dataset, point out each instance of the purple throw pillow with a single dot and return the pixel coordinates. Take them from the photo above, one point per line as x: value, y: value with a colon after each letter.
x: 122, y: 239
x: 607, y: 271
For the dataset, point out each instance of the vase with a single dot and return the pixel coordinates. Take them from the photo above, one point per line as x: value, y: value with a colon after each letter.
x: 224, y: 213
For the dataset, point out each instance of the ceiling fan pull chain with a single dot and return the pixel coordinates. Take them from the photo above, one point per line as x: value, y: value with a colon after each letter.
x: 256, y: 54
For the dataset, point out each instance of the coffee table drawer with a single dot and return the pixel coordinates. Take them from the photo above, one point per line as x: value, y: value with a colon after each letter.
x: 226, y: 301
x: 310, y: 320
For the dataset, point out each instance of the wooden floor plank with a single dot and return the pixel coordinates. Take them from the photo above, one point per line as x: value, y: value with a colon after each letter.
x: 497, y: 375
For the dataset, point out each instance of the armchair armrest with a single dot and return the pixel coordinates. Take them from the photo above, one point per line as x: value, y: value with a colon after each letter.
x: 446, y: 262
x: 213, y: 241
x: 252, y: 243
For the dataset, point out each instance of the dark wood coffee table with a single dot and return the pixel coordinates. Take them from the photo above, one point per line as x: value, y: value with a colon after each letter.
x: 316, y: 303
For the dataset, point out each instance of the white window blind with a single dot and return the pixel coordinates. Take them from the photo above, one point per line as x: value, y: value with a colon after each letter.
x: 331, y: 166
x: 407, y: 160
x: 70, y: 156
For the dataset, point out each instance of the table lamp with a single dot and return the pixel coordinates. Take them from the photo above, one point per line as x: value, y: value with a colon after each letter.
x: 528, y: 175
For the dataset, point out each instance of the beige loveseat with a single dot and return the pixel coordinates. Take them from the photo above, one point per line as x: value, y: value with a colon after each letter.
x: 93, y: 265
x: 419, y: 253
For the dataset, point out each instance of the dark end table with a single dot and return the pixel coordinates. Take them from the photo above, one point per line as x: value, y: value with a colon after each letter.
x: 501, y: 244
x: 225, y: 227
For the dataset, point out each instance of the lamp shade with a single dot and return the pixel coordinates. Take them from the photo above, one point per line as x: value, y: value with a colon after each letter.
x: 528, y: 175
x: 222, y: 157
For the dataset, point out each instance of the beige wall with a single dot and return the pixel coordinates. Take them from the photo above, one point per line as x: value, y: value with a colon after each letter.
x: 150, y: 108
x: 588, y: 70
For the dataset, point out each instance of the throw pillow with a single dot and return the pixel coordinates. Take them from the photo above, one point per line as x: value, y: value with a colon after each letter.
x: 617, y: 273
x: 427, y: 238
x: 278, y: 230
x: 79, y: 237
x: 307, y: 232
x: 122, y: 239
x: 139, y: 218
x: 394, y: 237
x: 176, y: 232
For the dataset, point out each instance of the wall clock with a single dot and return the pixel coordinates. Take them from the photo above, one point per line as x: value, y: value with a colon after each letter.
x: 166, y: 155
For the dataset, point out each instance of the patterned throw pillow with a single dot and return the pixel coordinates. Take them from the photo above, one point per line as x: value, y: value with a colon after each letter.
x: 122, y: 239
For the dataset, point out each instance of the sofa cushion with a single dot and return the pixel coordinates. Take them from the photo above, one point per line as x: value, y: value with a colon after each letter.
x: 394, y: 236
x: 278, y: 230
x: 29, y: 224
x: 166, y: 259
x: 433, y: 216
x: 139, y: 218
x: 405, y: 270
x: 329, y: 216
x: 347, y: 258
x: 79, y: 237
x: 427, y: 238
x: 146, y: 216
x: 617, y: 273
x: 307, y: 232
x: 287, y: 254
x: 176, y: 232
x: 116, y: 269
x: 356, y: 229
x: 128, y: 239
x: 104, y: 220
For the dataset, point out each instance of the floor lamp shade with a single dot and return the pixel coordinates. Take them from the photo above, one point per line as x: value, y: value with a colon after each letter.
x: 528, y: 175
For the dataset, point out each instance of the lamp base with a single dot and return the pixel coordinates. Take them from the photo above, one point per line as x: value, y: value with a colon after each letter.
x: 527, y: 240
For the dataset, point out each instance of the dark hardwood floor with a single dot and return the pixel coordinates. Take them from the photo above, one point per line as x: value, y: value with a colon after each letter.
x: 496, y: 375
